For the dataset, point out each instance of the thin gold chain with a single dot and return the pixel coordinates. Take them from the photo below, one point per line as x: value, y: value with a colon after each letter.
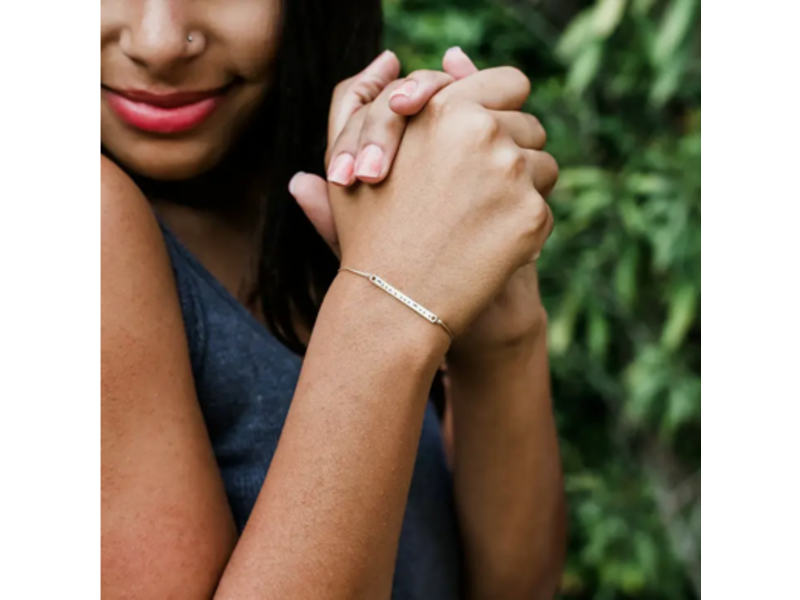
x: 401, y: 297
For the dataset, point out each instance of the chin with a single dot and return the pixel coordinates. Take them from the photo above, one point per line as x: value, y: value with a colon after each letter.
x: 168, y: 160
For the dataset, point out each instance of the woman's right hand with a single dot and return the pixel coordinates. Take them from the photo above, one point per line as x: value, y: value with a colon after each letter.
x: 463, y: 206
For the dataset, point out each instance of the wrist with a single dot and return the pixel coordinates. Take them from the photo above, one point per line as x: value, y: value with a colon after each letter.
x: 517, y: 379
x: 474, y: 355
x: 381, y: 325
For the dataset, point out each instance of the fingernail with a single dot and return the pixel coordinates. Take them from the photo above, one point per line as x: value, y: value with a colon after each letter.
x: 454, y: 49
x: 370, y: 162
x: 405, y: 90
x: 341, y: 170
x: 293, y: 180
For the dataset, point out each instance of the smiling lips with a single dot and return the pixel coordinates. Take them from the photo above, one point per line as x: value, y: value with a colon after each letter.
x: 163, y: 113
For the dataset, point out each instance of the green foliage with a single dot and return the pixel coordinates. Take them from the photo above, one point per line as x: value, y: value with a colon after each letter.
x: 617, y: 85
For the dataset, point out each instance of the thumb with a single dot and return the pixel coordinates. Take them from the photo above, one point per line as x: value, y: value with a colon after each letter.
x: 457, y: 64
x: 311, y: 193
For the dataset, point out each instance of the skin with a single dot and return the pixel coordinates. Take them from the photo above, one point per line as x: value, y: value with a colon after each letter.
x: 141, y: 44
x: 508, y: 478
x: 167, y: 530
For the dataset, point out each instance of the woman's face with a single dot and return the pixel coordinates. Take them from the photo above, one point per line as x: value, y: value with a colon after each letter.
x: 181, y: 78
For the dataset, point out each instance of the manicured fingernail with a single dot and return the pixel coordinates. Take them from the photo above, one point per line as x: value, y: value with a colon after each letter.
x: 370, y: 162
x: 341, y: 170
x: 405, y: 90
x: 293, y: 181
x: 383, y: 55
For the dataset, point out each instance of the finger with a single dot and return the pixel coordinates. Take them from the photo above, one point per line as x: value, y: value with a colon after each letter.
x: 545, y: 171
x: 411, y: 95
x: 361, y: 89
x: 341, y: 156
x: 384, y: 126
x: 311, y: 193
x: 501, y: 88
x: 525, y: 130
x: 457, y: 64
x: 383, y: 130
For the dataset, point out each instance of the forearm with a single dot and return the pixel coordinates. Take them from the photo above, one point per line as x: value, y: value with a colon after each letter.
x: 328, y: 519
x: 507, y: 473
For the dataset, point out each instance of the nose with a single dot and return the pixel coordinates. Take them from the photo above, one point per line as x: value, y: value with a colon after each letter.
x: 160, y: 37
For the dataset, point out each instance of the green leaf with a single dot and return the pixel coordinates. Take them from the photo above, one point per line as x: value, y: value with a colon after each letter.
x: 632, y: 217
x: 646, y: 554
x: 584, y: 69
x: 562, y: 325
x: 682, y: 309
x: 625, y: 276
x: 577, y: 177
x: 577, y: 36
x: 592, y: 201
x: 647, y: 184
x: 632, y: 579
x: 607, y: 16
x: 683, y: 406
x: 668, y: 80
x: 679, y: 17
x: 598, y: 334
x: 642, y: 7
x: 646, y: 380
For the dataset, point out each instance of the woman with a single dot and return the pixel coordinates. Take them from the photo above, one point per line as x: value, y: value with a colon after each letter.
x: 233, y: 469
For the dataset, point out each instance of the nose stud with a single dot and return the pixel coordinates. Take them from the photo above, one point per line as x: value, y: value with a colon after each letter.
x: 189, y: 38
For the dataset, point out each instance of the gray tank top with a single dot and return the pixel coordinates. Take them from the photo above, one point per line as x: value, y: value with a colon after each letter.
x: 245, y: 379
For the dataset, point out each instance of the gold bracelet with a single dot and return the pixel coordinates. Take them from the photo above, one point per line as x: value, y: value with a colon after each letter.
x: 397, y: 294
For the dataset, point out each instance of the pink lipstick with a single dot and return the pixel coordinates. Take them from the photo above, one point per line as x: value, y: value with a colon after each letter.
x: 163, y: 113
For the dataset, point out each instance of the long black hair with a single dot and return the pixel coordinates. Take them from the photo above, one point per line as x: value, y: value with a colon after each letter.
x: 322, y: 42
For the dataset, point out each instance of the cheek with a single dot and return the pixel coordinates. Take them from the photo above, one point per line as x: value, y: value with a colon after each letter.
x: 251, y: 31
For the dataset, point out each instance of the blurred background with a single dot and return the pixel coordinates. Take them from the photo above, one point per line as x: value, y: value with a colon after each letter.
x: 616, y: 83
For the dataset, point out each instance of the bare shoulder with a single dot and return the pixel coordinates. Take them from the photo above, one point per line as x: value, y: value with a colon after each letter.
x: 124, y: 209
x: 136, y: 275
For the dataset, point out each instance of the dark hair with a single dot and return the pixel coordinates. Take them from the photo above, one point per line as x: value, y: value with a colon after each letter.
x: 323, y: 42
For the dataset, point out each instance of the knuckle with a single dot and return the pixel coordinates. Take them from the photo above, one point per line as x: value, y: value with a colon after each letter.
x: 512, y: 163
x: 435, y: 77
x: 419, y: 74
x: 540, y: 213
x: 381, y: 130
x: 367, y: 87
x: 439, y: 106
x: 341, y: 88
x: 484, y: 126
x: 519, y: 167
